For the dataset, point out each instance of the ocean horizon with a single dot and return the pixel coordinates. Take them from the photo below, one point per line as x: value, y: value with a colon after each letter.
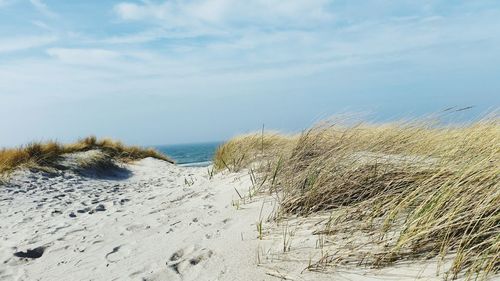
x: 191, y: 154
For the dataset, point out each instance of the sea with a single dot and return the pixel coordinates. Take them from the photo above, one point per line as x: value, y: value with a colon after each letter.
x: 192, y: 155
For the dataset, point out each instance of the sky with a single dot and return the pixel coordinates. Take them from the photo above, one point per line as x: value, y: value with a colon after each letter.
x: 164, y: 72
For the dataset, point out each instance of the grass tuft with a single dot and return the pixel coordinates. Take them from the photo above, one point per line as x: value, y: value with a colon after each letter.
x: 45, y: 155
x: 436, y: 187
x: 242, y: 151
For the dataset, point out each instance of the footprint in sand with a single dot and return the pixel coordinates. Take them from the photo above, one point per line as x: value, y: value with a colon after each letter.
x: 136, y: 227
x: 118, y: 253
x: 31, y: 253
x: 185, y: 259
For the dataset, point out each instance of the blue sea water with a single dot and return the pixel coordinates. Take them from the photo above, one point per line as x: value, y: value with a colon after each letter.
x: 194, y: 155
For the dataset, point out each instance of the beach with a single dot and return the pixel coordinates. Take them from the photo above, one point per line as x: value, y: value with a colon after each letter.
x: 153, y: 220
x: 303, y: 140
x: 156, y: 222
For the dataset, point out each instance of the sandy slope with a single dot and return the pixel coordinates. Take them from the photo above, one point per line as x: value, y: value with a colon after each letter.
x: 155, y: 226
x: 154, y: 221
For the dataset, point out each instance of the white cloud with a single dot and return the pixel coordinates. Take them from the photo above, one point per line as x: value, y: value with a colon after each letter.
x: 43, y: 8
x: 142, y: 37
x: 244, y: 52
x: 23, y: 43
x: 229, y: 13
x: 160, y: 33
x: 42, y: 25
x: 276, y: 31
x: 83, y: 56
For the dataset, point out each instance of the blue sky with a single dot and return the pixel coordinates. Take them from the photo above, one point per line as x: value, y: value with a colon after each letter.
x: 160, y: 72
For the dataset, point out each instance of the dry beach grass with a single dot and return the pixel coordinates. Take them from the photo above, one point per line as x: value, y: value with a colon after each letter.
x: 45, y: 155
x: 425, y: 190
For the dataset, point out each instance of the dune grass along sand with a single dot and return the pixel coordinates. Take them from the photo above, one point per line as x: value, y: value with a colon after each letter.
x: 398, y: 201
x: 416, y: 190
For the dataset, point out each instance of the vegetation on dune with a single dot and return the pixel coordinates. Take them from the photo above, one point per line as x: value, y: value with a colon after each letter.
x: 46, y: 155
x: 241, y: 151
x: 436, y: 187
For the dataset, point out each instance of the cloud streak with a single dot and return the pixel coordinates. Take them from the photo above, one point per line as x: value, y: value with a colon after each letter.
x: 196, y: 14
x: 83, y: 56
x: 43, y: 8
x: 25, y: 42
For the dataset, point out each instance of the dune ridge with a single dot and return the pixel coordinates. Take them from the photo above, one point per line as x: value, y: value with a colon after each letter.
x: 415, y: 190
x: 47, y: 156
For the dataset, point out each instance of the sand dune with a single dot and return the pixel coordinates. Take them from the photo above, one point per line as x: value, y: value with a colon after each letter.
x: 152, y: 220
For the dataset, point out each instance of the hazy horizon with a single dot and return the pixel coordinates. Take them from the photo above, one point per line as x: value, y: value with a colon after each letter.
x: 174, y: 72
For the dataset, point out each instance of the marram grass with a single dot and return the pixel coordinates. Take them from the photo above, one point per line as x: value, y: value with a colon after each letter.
x: 241, y: 151
x: 436, y: 187
x: 45, y: 155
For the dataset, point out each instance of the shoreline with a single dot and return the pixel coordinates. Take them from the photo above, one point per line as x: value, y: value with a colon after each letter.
x: 202, y: 164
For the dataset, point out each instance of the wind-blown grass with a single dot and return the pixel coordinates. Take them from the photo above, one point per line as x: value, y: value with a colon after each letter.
x: 241, y: 151
x: 45, y: 155
x: 437, y: 187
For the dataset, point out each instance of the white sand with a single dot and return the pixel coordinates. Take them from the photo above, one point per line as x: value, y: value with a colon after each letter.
x: 156, y: 221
